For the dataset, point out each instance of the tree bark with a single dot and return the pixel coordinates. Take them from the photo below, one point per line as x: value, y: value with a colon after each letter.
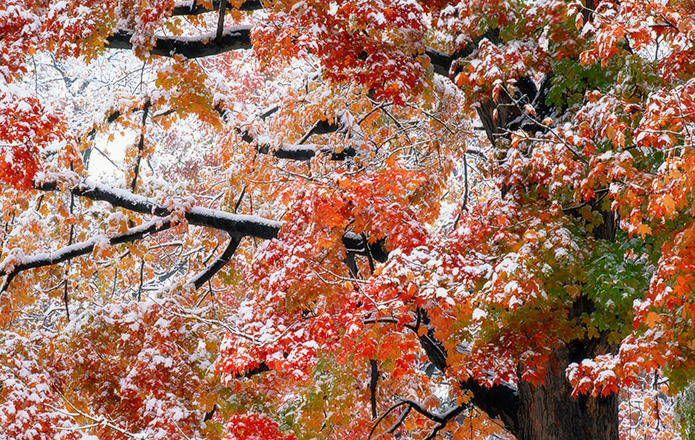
x: 205, y: 45
x: 234, y: 224
x: 544, y: 411
x: 548, y: 411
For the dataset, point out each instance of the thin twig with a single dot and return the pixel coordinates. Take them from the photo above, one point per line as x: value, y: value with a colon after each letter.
x: 141, y: 144
x: 220, y: 19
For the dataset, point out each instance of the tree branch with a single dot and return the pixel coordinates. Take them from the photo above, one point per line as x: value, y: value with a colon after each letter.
x: 261, y: 368
x: 388, y: 411
x: 374, y: 379
x: 192, y: 7
x: 441, y: 419
x: 416, y: 406
x: 234, y: 224
x: 264, y: 145
x: 399, y: 421
x: 220, y: 19
x: 446, y: 418
x: 434, y: 349
x: 85, y: 247
x: 300, y: 152
x: 141, y: 144
x: 239, y: 37
x: 242, y: 225
x: 210, y: 271
x: 441, y: 62
x: 501, y: 400
x: 205, y: 45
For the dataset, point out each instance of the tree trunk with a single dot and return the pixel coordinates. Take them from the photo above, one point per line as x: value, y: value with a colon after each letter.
x: 548, y: 411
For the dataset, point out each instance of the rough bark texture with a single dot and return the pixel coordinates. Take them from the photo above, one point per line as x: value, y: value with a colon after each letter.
x: 545, y: 411
x: 549, y: 412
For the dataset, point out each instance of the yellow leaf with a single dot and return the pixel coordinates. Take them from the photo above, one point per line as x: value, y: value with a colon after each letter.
x: 579, y: 21
x: 652, y: 319
x: 572, y: 290
x: 691, y: 345
x: 669, y: 204
x: 620, y: 139
x: 463, y: 399
x: 644, y: 230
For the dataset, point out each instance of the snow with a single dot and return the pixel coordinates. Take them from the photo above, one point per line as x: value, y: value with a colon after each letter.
x: 167, y: 362
x: 479, y: 314
x: 311, y: 344
x: 297, y: 6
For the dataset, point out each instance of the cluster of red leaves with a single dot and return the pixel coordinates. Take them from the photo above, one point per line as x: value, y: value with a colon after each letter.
x: 144, y: 18
x: 66, y: 27
x: 19, y: 30
x: 595, y: 376
x: 666, y: 115
x: 33, y: 375
x: 142, y: 358
x: 496, y: 65
x: 638, y: 22
x: 289, y: 284
x: 467, y: 19
x: 493, y: 281
x: 254, y: 427
x: 71, y: 28
x: 26, y: 129
x: 376, y: 44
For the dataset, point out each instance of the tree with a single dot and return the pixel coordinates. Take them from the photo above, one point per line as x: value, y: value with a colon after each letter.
x: 346, y: 219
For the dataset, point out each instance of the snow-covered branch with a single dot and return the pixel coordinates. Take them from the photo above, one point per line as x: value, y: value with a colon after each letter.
x: 204, y: 45
x: 499, y: 400
x: 239, y: 37
x: 13, y: 265
x: 234, y: 224
x: 192, y: 7
x: 301, y: 151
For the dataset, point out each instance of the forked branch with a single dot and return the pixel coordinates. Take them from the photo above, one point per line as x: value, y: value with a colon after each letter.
x: 204, y: 45
x: 441, y: 419
x: 235, y: 224
x: 198, y: 280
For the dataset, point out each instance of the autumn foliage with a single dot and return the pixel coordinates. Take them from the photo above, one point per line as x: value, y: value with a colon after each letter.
x: 346, y: 219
